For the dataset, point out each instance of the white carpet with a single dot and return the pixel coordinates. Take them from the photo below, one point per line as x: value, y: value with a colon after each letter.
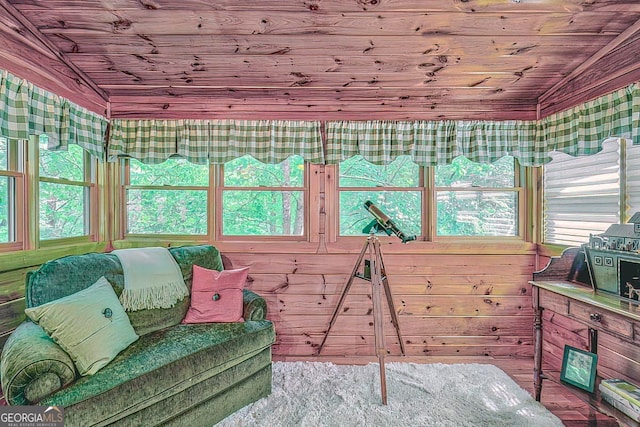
x: 323, y: 394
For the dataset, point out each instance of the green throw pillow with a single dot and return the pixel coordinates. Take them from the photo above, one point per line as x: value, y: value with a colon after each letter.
x: 90, y: 325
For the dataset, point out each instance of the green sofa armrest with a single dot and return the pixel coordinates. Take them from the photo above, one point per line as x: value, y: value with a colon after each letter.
x: 255, y: 307
x: 33, y: 366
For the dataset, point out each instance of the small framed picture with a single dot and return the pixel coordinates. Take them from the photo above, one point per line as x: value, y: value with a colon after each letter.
x: 579, y: 368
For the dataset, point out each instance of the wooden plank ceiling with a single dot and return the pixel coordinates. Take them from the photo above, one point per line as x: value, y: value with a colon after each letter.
x: 339, y: 59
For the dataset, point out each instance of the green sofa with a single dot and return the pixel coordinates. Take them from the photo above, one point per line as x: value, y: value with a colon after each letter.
x: 174, y: 374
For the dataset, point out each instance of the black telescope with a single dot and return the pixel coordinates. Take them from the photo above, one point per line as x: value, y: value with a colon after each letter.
x: 383, y: 223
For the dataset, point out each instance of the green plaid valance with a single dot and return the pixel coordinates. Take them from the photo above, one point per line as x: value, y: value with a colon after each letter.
x: 219, y: 141
x: 581, y: 130
x: 29, y: 110
x: 577, y: 131
x: 154, y: 141
x: 431, y: 143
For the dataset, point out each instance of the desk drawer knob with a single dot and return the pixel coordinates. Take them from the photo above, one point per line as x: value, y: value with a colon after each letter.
x: 595, y: 317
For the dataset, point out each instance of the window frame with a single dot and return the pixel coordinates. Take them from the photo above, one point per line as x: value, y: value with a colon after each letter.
x: 90, y: 199
x: 220, y: 188
x: 125, y: 184
x: 422, y: 188
x: 518, y: 188
x: 429, y: 191
x: 15, y: 172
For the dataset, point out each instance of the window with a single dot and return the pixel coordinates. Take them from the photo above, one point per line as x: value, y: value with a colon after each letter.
x: 632, y: 179
x: 258, y: 199
x: 65, y: 182
x: 11, y: 184
x: 5, y: 185
x: 396, y: 189
x: 167, y: 198
x: 584, y: 195
x: 474, y: 199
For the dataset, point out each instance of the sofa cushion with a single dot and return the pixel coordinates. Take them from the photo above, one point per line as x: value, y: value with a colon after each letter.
x: 206, y: 256
x: 67, y: 275
x: 216, y: 296
x: 64, y: 276
x: 90, y: 325
x: 33, y: 354
x: 161, y: 364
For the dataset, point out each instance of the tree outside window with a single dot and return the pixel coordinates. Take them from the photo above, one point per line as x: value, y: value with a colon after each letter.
x: 5, y: 185
x: 471, y: 199
x: 394, y: 188
x: 259, y: 199
x: 64, y: 192
x: 475, y: 199
x: 167, y: 198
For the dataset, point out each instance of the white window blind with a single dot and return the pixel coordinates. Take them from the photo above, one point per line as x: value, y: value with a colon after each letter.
x: 582, y: 195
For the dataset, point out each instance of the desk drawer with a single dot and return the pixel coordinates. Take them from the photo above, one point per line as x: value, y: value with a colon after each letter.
x: 554, y: 302
x: 601, y: 319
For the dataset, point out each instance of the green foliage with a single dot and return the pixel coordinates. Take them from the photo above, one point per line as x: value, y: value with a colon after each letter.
x: 476, y: 213
x: 465, y: 173
x: 3, y: 154
x: 4, y: 209
x: 263, y: 213
x: 254, y: 212
x: 403, y: 207
x: 167, y: 211
x: 459, y: 213
x: 268, y: 200
x: 175, y: 171
x: 248, y: 172
x: 62, y: 206
x: 62, y: 164
x: 357, y: 172
x: 61, y: 210
x: 4, y: 194
x: 244, y: 212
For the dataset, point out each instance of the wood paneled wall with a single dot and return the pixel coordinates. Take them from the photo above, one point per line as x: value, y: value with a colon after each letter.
x: 449, y: 303
x: 457, y: 299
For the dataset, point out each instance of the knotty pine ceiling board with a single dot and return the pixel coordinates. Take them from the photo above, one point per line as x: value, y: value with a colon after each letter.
x: 330, y: 59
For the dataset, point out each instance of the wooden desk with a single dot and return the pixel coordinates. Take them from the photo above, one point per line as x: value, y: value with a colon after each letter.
x: 566, y: 312
x: 616, y: 322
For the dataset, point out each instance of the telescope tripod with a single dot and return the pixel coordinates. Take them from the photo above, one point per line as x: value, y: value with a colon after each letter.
x: 374, y: 272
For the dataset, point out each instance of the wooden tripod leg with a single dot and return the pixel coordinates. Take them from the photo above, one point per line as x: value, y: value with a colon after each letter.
x: 378, y: 318
x: 347, y: 286
x: 392, y: 308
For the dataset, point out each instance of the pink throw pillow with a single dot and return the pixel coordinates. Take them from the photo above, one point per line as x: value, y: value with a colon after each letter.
x: 216, y: 296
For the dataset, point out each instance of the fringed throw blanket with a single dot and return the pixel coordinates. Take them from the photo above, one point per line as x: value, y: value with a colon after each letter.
x: 152, y: 279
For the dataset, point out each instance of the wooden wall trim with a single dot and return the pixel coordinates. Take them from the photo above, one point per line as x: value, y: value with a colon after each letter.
x: 21, y: 259
x: 27, y: 54
x: 259, y: 105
